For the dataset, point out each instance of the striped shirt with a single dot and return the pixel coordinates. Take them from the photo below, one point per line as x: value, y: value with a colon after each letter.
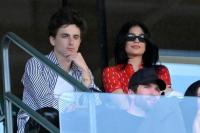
x: 39, y: 82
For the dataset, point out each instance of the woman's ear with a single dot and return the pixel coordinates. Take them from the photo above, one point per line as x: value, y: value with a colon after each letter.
x: 52, y: 40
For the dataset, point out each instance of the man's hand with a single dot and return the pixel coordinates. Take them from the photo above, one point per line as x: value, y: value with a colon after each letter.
x: 78, y: 59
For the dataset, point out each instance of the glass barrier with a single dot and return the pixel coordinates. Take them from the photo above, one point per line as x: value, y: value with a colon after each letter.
x: 183, y: 75
x: 1, y: 127
x: 117, y: 113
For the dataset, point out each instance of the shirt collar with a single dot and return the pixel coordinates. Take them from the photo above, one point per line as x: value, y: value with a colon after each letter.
x: 53, y: 58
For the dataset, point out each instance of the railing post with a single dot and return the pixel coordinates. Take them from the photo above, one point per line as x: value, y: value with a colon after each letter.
x: 6, y: 84
x: 92, y: 112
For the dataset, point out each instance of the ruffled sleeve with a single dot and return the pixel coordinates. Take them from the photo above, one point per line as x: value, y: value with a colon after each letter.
x: 163, y: 73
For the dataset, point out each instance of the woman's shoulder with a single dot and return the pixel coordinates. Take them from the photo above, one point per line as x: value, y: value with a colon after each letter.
x: 163, y: 73
x: 161, y: 67
x: 113, y: 68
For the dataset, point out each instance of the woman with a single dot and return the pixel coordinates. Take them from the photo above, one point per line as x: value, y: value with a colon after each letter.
x: 133, y: 50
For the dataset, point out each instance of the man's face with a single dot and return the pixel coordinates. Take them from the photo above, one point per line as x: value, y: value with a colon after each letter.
x: 147, y: 96
x: 67, y: 40
x: 148, y: 89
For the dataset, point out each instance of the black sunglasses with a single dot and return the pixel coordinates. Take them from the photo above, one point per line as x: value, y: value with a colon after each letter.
x: 132, y: 37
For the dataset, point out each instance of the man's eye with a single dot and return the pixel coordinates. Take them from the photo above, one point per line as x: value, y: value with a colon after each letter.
x: 76, y: 37
x: 146, y: 86
x: 65, y: 36
x: 157, y: 88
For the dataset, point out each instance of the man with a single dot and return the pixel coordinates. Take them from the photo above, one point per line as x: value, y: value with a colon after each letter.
x: 41, y: 84
x: 148, y: 87
x: 148, y: 112
x: 144, y: 91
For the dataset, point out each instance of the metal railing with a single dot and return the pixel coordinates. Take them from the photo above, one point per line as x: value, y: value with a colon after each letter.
x: 9, y: 98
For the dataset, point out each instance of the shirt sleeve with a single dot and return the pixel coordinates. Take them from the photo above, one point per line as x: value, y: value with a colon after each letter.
x: 36, y: 91
x: 111, y: 80
x: 36, y: 84
x: 93, y: 86
x: 76, y: 73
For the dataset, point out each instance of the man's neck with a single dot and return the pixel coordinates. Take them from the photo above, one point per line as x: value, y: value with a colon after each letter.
x: 63, y: 62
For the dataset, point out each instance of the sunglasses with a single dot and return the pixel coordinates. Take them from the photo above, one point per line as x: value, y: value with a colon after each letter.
x: 132, y: 37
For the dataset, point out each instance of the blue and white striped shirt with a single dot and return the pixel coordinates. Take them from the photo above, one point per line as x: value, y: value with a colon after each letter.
x: 39, y: 82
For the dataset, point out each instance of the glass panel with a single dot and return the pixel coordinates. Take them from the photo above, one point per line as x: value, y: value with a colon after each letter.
x: 1, y: 127
x: 81, y: 113
x: 182, y: 75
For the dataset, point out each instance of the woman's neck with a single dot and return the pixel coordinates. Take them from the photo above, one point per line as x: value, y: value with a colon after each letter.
x: 135, y: 62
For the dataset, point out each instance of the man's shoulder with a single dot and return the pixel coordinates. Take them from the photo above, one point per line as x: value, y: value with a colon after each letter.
x: 34, y: 60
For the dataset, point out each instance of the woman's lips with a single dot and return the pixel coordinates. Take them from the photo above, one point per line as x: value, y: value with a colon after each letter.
x: 135, y: 46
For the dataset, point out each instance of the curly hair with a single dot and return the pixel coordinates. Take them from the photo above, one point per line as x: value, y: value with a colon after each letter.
x: 66, y: 16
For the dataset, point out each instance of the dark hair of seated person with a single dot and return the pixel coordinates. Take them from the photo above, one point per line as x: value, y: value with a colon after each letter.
x: 51, y: 114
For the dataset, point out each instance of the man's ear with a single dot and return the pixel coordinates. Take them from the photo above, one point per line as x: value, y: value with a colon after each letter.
x: 130, y: 91
x: 52, y: 40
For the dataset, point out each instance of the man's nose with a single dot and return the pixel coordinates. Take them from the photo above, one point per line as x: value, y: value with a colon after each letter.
x: 71, y: 40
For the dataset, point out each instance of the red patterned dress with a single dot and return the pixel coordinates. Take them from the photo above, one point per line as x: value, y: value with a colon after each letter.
x: 116, y: 77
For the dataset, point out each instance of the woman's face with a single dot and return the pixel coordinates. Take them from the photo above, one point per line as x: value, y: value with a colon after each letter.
x: 198, y: 100
x: 198, y: 92
x: 136, y: 45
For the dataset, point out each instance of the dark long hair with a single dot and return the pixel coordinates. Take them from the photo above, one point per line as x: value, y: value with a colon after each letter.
x: 150, y: 56
x: 193, y: 89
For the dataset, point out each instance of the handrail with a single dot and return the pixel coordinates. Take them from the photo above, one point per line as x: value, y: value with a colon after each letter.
x: 8, y: 97
x: 36, y: 116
